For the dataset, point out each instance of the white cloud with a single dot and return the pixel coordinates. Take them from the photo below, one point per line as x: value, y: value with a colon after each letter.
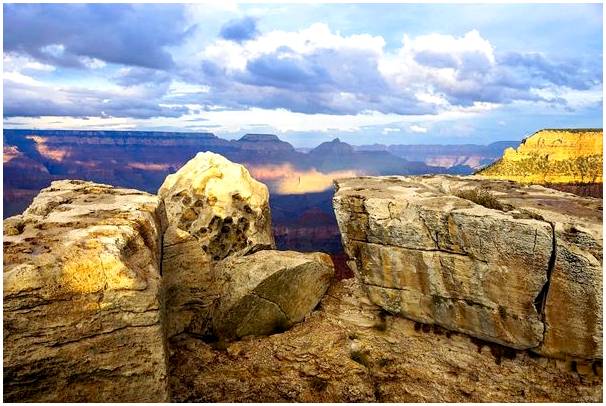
x: 417, y: 129
x: 234, y: 56
x: 388, y: 130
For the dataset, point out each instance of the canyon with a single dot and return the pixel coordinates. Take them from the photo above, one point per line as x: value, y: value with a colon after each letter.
x: 463, y: 289
x: 300, y: 183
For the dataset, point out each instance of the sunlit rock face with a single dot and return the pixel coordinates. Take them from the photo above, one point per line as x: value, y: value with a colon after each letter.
x: 217, y: 202
x: 215, y: 209
x: 552, y: 156
x: 82, y: 297
x: 268, y: 291
x: 485, y: 258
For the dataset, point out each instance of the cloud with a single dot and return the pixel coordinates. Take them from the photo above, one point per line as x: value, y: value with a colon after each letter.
x: 239, y: 30
x: 313, y: 78
x: 134, y: 76
x: 27, y: 97
x: 417, y: 129
x: 64, y: 34
x: 315, y: 70
x: 388, y: 130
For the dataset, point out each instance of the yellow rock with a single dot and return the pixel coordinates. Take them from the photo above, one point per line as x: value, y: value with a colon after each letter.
x: 82, y: 304
x: 552, y: 156
x: 215, y: 209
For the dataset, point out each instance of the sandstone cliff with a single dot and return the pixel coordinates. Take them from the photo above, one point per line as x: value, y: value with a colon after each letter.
x: 552, y: 156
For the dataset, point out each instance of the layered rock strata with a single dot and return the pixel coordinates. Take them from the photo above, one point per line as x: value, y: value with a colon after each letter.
x: 552, y: 156
x: 517, y: 266
x: 82, y: 305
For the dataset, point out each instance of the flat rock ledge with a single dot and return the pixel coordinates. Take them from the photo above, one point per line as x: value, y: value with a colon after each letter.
x: 515, y: 265
x: 82, y: 306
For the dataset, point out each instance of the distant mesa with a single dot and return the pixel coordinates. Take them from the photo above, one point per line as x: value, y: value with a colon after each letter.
x: 260, y: 137
x: 552, y: 156
x: 266, y: 143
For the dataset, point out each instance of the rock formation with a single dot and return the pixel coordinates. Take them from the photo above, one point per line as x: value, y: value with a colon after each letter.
x: 219, y: 204
x: 350, y: 350
x: 214, y: 209
x: 517, y: 266
x: 82, y: 306
x: 465, y: 289
x: 552, y: 156
x: 268, y: 291
x: 217, y: 283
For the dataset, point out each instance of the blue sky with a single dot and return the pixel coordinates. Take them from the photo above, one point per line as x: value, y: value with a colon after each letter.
x: 391, y: 73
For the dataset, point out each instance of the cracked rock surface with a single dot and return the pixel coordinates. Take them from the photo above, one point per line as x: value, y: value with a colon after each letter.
x: 82, y: 306
x: 268, y: 291
x: 491, y: 259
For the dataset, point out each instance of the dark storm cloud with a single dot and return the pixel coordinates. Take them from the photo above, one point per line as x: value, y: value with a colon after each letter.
x: 240, y: 29
x: 118, y: 33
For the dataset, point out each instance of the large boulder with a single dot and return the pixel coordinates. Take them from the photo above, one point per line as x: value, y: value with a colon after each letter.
x: 268, y: 291
x: 82, y: 303
x: 214, y: 209
x: 480, y: 257
x: 218, y: 203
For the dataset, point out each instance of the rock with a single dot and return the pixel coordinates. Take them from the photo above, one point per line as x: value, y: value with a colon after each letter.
x: 350, y: 350
x: 217, y: 202
x: 82, y: 304
x: 428, y: 249
x: 215, y: 209
x: 552, y: 156
x: 268, y: 291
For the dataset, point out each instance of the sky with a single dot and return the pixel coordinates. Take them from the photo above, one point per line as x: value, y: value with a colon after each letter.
x: 366, y: 73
